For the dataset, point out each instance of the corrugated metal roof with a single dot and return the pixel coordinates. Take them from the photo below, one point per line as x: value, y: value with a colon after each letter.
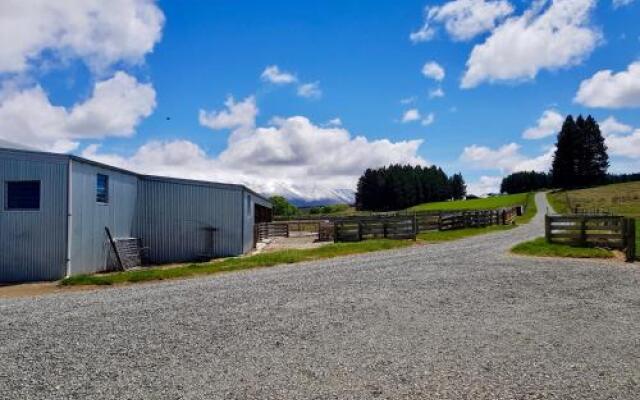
x: 142, y: 176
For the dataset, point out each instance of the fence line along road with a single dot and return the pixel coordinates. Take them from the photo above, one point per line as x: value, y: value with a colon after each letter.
x: 614, y: 232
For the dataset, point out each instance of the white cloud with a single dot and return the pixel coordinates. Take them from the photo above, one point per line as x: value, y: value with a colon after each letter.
x: 101, y: 33
x: 424, y: 34
x: 621, y: 3
x: 240, y: 116
x: 612, y: 126
x: 554, y: 37
x: 408, y: 100
x: 548, y: 124
x: 310, y: 90
x: 485, y: 185
x: 435, y: 93
x: 334, y: 122
x: 433, y: 70
x: 411, y: 115
x: 292, y: 156
x: 115, y: 108
x: 273, y: 74
x: 611, y: 90
x: 463, y: 19
x: 429, y: 119
x: 624, y: 146
x: 506, y: 159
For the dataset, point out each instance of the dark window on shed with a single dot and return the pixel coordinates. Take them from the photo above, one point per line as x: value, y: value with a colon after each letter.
x: 102, y: 189
x: 23, y: 195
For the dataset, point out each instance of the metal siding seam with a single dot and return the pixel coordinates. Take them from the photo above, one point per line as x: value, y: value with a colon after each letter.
x: 69, y: 217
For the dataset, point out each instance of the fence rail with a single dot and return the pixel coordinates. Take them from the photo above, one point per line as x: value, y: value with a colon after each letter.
x: 614, y: 232
x: 267, y: 230
x: 408, y: 226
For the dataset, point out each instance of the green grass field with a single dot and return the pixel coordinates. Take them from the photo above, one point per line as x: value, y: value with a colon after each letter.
x: 488, y: 203
x: 620, y: 198
x: 445, y: 236
x: 540, y: 248
x: 239, y: 263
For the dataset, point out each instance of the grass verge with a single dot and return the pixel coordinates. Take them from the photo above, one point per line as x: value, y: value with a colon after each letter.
x: 236, y: 264
x: 540, y: 248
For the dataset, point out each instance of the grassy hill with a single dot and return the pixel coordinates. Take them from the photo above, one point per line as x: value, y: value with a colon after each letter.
x: 488, y: 203
x: 620, y: 198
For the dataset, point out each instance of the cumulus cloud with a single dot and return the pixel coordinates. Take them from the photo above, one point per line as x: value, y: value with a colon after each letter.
x: 100, y: 33
x: 115, y: 108
x: 624, y: 145
x: 548, y: 124
x: 607, y: 89
x: 433, y: 70
x: 485, y: 185
x: 291, y: 156
x: 552, y: 37
x: 273, y: 74
x: 411, y: 115
x: 612, y: 126
x: 435, y: 93
x: 462, y: 19
x: 310, y: 90
x: 429, y: 119
x: 621, y: 3
x: 238, y: 116
x: 506, y: 159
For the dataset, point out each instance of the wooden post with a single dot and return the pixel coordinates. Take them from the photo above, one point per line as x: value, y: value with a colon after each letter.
x: 583, y: 232
x: 359, y: 231
x: 415, y: 228
x: 335, y: 231
x: 630, y: 238
x: 547, y: 228
x: 115, y: 248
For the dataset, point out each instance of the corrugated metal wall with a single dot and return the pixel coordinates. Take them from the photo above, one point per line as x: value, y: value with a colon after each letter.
x: 176, y: 218
x: 90, y: 248
x: 33, y: 243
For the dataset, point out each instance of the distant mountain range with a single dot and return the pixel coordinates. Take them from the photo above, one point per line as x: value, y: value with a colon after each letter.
x: 314, y: 196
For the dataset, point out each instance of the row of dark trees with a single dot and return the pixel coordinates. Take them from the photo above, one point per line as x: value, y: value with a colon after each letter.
x: 397, y: 187
x: 527, y: 181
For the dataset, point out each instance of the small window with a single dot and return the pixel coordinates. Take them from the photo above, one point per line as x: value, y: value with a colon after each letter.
x: 23, y: 195
x: 102, y: 189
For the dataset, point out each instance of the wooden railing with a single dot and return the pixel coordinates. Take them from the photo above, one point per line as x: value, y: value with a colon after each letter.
x: 375, y: 228
x: 266, y: 230
x: 612, y: 232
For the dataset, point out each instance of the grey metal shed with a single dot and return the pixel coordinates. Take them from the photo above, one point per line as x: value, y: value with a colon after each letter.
x: 56, y: 207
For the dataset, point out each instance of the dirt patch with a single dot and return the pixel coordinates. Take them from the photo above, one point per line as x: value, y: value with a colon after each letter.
x: 298, y: 240
x: 9, y: 291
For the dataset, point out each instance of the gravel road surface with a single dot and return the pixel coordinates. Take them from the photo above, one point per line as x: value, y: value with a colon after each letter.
x: 461, y: 320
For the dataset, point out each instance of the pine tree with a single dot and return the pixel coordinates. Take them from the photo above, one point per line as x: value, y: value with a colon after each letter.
x: 598, y: 159
x: 457, y: 187
x: 563, y: 171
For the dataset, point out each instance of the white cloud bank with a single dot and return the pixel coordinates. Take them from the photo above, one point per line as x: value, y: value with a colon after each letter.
x: 273, y: 74
x: 606, y: 89
x: 485, y: 185
x: 99, y: 32
x: 291, y: 155
x: 115, y: 108
x: 552, y: 37
x: 462, y: 19
x: 547, y: 125
x: 506, y: 159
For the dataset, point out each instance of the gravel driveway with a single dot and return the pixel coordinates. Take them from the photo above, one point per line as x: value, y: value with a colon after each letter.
x: 460, y: 320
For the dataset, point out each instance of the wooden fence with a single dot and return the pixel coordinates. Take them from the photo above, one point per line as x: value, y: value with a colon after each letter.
x: 375, y: 228
x: 612, y: 232
x: 265, y: 230
x: 408, y: 226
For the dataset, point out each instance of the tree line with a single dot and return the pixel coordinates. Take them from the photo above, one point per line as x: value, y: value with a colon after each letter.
x: 397, y: 187
x: 580, y: 160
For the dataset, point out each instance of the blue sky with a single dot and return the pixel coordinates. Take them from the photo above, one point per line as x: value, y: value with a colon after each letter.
x: 147, y: 85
